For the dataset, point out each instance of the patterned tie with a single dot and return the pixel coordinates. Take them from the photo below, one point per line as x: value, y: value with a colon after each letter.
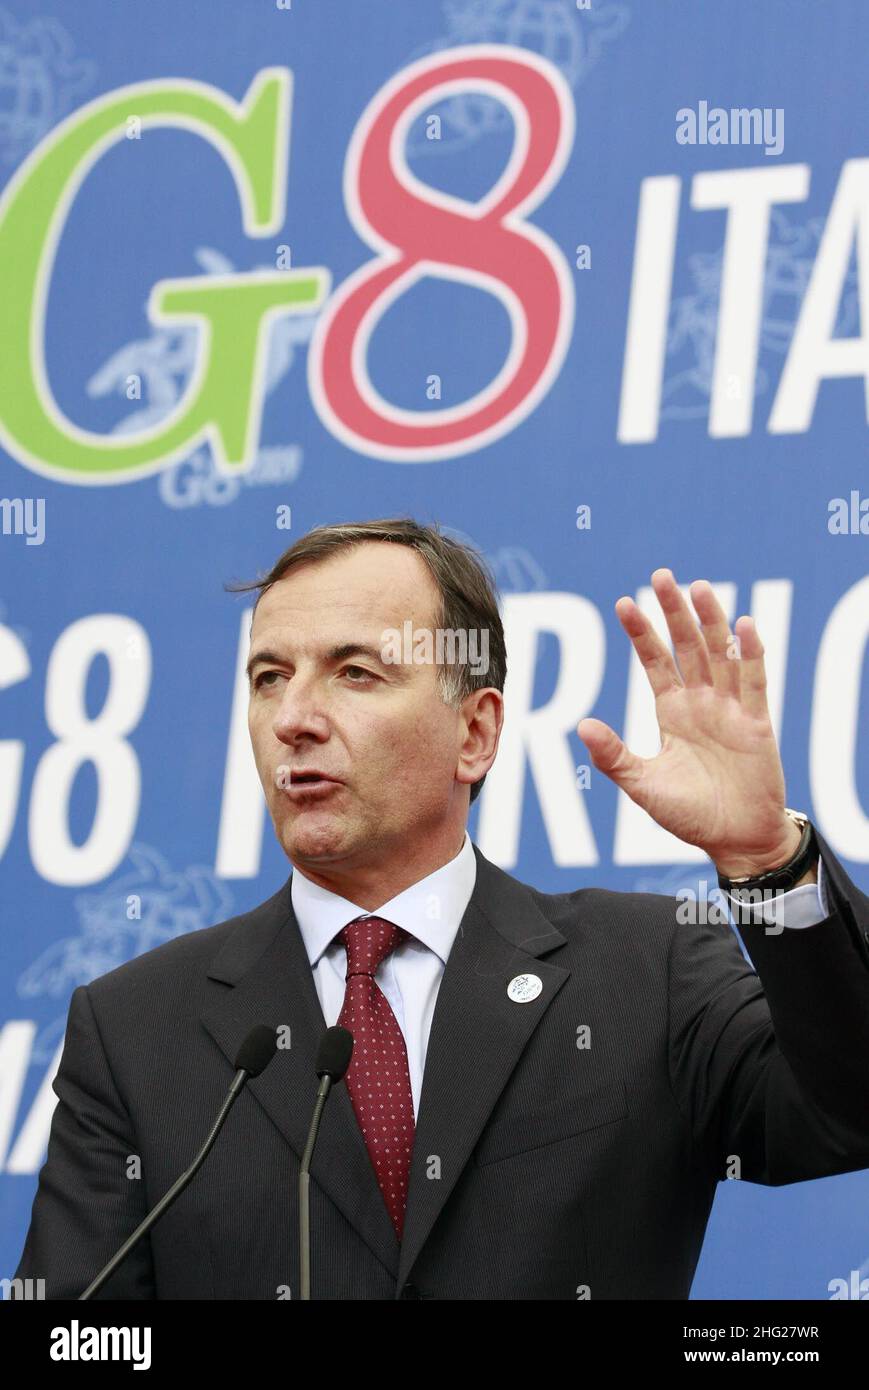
x: 378, y: 1078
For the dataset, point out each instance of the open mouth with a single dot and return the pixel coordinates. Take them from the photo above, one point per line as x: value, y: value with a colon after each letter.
x: 300, y: 784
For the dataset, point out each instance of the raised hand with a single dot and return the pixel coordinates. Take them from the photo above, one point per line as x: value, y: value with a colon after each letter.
x: 717, y: 781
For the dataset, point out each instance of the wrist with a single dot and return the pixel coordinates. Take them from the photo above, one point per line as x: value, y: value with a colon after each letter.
x: 789, y: 866
x: 755, y: 865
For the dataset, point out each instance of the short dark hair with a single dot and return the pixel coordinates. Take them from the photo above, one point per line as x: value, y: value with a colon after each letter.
x: 467, y: 589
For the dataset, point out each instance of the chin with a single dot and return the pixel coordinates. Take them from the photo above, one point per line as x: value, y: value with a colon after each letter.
x: 312, y: 841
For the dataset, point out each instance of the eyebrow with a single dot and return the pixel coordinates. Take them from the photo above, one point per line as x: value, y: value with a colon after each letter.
x: 339, y: 653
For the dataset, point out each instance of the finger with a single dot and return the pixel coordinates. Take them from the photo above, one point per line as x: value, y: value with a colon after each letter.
x: 752, y: 669
x: 657, y: 661
x: 610, y: 754
x: 689, y: 644
x: 723, y: 650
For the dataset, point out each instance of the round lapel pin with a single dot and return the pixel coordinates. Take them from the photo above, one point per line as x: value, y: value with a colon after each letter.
x: 523, y: 988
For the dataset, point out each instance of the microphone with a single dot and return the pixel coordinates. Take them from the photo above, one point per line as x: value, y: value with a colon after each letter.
x: 333, y: 1059
x: 254, y: 1055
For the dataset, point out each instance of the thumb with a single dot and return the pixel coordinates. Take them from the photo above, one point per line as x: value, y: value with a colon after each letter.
x: 609, y: 753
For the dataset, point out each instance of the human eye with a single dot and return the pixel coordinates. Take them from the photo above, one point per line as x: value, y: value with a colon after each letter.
x: 262, y: 680
x: 365, y: 674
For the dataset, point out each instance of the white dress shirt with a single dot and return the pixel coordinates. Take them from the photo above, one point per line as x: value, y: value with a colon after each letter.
x: 430, y: 911
x: 800, y: 907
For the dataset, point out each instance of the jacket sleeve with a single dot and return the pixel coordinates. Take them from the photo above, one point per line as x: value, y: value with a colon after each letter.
x: 771, y: 1069
x: 88, y: 1199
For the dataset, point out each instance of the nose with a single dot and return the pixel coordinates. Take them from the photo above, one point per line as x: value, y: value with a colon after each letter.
x: 300, y: 715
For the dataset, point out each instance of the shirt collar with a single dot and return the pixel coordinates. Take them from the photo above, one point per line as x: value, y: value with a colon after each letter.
x: 430, y: 909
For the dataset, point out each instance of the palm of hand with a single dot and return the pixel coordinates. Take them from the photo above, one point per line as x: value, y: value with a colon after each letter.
x: 717, y: 781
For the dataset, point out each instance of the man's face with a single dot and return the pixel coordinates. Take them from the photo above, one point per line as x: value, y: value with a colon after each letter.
x: 380, y: 729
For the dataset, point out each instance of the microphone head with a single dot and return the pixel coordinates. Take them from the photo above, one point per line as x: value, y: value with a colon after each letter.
x: 257, y: 1050
x: 335, y: 1051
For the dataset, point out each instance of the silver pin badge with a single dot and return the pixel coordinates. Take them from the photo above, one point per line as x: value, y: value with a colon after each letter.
x: 523, y: 988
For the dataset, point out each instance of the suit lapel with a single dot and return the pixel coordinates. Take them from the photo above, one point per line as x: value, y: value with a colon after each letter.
x: 265, y: 963
x: 478, y: 1034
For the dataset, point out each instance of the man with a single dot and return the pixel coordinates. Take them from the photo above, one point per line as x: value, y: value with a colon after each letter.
x: 545, y: 1088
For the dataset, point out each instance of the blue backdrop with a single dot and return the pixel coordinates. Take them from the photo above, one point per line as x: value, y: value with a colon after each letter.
x: 581, y: 281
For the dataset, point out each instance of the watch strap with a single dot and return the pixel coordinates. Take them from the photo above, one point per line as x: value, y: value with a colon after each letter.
x: 783, y: 878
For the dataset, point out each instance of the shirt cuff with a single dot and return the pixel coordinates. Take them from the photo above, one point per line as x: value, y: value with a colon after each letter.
x: 799, y: 907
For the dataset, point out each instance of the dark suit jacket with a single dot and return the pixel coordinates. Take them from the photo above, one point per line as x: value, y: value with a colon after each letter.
x: 541, y: 1169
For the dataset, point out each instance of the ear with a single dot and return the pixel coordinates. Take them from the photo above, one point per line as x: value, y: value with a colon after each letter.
x: 480, y: 732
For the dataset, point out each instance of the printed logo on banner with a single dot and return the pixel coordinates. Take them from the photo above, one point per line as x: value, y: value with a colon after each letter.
x: 488, y: 244
x: 232, y: 313
x: 415, y: 231
x: 419, y: 231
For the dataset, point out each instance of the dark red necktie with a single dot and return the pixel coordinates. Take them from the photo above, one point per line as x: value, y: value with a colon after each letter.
x: 378, y: 1078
